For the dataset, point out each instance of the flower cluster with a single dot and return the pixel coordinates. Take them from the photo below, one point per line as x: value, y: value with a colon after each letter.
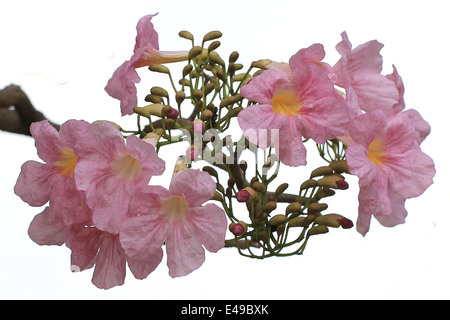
x: 95, y: 179
x: 100, y: 204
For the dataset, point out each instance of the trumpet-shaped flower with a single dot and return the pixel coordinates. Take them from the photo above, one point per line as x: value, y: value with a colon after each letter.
x: 122, y: 85
x: 358, y: 72
x: 304, y: 103
x: 110, y: 170
x: 53, y: 181
x: 390, y: 165
x: 178, y: 218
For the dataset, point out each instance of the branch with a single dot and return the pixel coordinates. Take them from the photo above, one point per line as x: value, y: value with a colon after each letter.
x: 17, y: 112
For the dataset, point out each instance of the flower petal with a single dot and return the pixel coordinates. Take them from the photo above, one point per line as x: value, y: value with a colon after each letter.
x: 261, y: 88
x: 208, y: 224
x: 47, y: 231
x: 184, y: 252
x: 197, y: 186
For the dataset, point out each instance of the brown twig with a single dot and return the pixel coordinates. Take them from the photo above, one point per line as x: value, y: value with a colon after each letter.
x: 17, y: 112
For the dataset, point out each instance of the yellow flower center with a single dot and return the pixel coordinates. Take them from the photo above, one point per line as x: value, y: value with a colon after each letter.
x: 175, y: 208
x: 67, y: 161
x: 286, y: 101
x: 126, y: 167
x: 376, y: 152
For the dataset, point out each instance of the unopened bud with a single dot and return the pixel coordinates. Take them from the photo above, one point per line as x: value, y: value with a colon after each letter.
x: 261, y: 63
x: 238, y: 228
x: 258, y: 186
x: 212, y: 35
x: 329, y: 220
x: 320, y: 229
x: 322, y: 171
x: 209, y: 87
x: 158, y: 91
x: 192, y: 153
x: 186, y: 35
x: 331, y: 181
x: 311, y: 183
x: 315, y: 207
x: 346, y: 223
x: 270, y: 206
x: 155, y: 109
x: 339, y: 166
x: 180, y: 166
x: 206, y: 115
x: 211, y: 171
x: 173, y: 114
x: 194, y: 52
x: 217, y: 196
x: 246, y: 194
x: 342, y: 184
x: 198, y: 125
x: 297, y: 222
x: 114, y: 124
x: 281, y: 188
x: 213, y: 46
x: 277, y: 219
x: 233, y: 57
x: 179, y: 97
x: 293, y: 207
x: 159, y: 68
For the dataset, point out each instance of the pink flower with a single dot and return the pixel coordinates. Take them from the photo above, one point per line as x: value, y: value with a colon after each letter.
x: 176, y: 217
x: 122, y: 85
x: 110, y: 170
x: 53, y: 180
x: 358, y: 72
x: 289, y: 107
x: 390, y: 165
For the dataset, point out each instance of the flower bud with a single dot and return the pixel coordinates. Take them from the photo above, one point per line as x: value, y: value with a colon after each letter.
x: 238, y: 228
x: 346, y: 223
x: 213, y: 46
x: 211, y: 171
x: 246, y: 194
x: 281, y: 188
x: 233, y: 57
x: 258, y: 186
x: 311, y: 183
x: 159, y: 68
x: 173, y: 114
x: 261, y: 63
x: 297, y: 222
x: 329, y: 220
x: 186, y: 35
x: 212, y: 35
x: 320, y: 229
x: 192, y: 153
x: 321, y: 171
x: 293, y: 207
x: 339, y: 166
x: 198, y: 125
x: 194, y: 52
x: 158, y: 91
x: 331, y: 182
x: 217, y: 196
x: 206, y: 115
x: 270, y: 206
x: 317, y: 207
x: 155, y: 109
x: 114, y: 124
x: 277, y: 219
x: 179, y: 97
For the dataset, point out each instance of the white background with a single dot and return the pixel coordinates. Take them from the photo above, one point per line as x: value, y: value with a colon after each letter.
x: 62, y: 54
